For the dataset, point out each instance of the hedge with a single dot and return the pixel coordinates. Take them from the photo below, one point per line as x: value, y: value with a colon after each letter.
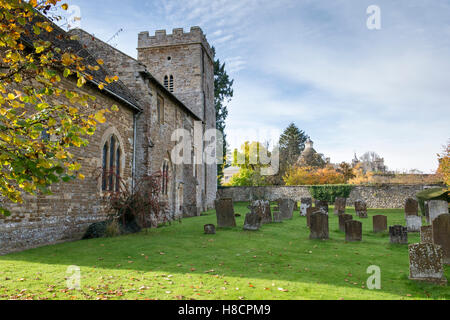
x: 330, y: 192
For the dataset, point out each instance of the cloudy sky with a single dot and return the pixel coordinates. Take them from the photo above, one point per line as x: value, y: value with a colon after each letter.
x: 315, y: 63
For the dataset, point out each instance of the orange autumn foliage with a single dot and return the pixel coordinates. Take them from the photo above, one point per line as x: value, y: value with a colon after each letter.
x: 313, y: 176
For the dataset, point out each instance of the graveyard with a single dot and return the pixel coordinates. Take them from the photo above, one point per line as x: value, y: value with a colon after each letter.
x: 278, y: 261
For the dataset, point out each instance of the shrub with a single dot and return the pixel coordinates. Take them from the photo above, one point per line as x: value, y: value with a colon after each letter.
x: 330, y: 192
x: 297, y: 176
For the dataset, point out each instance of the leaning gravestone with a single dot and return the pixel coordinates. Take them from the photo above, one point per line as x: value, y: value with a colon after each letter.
x: 319, y: 225
x: 361, y: 209
x: 436, y: 208
x: 286, y: 208
x: 353, y: 231
x: 339, y: 206
x: 379, y: 223
x: 398, y: 234
x: 252, y: 222
x: 427, y: 211
x: 425, y: 263
x: 411, y: 207
x: 225, y: 213
x: 305, y: 204
x: 309, y: 212
x: 426, y: 234
x: 210, y: 229
x: 322, y: 206
x: 343, y: 218
x: 441, y: 235
x: 277, y: 218
x: 413, y: 223
x: 262, y: 208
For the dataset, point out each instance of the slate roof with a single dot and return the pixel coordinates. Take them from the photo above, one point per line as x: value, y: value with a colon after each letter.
x: 61, y: 39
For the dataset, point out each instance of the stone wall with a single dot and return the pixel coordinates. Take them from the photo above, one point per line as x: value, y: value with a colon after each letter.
x: 66, y: 214
x: 376, y: 196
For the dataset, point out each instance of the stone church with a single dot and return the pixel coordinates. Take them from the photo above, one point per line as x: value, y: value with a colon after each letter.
x: 169, y: 86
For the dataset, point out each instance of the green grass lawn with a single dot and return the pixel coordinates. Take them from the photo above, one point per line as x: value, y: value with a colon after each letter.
x: 180, y: 262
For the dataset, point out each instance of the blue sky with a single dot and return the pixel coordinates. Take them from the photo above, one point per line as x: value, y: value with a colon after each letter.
x: 315, y: 63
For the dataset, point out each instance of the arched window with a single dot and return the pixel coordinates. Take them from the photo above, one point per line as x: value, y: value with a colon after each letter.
x: 111, y: 165
x: 166, y: 82
x: 165, y: 178
x: 171, y: 84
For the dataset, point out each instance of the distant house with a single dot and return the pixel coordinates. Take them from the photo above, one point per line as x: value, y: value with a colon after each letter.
x: 228, y: 173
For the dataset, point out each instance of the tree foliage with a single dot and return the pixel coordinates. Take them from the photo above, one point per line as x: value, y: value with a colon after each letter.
x: 291, y: 144
x: 40, y: 120
x: 444, y: 164
x: 223, y: 92
x: 299, y: 175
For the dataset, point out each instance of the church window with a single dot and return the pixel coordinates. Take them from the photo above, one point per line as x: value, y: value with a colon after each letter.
x: 171, y: 84
x: 111, y: 165
x: 166, y: 82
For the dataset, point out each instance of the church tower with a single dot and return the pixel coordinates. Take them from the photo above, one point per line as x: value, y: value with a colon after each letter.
x: 184, y: 63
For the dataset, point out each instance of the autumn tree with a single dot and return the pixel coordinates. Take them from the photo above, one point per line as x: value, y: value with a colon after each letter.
x: 302, y: 175
x: 40, y: 120
x: 346, y: 170
x: 444, y: 164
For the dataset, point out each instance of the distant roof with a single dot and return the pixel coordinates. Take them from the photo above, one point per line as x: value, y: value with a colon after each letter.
x: 61, y: 39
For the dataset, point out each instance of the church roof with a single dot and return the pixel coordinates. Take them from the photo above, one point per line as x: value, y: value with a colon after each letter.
x: 61, y: 39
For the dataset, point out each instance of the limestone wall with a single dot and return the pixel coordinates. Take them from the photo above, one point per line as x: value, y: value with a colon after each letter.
x: 376, y: 196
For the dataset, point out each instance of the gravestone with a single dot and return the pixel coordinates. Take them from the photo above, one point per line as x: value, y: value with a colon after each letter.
x: 411, y: 207
x: 262, y: 208
x: 322, y: 206
x: 413, y: 223
x: 296, y: 205
x: 425, y: 263
x: 225, y: 213
x: 398, y: 234
x: 210, y: 229
x: 436, y: 208
x: 379, y: 223
x: 353, y: 231
x: 286, y: 208
x: 252, y: 222
x: 309, y: 212
x: 343, y: 218
x: 304, y: 205
x: 339, y: 206
x: 441, y: 235
x: 426, y: 234
x: 361, y: 208
x: 277, y: 218
x: 319, y: 225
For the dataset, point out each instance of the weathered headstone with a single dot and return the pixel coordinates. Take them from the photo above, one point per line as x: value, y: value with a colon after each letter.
x: 361, y: 208
x: 343, y: 218
x: 322, y: 206
x: 286, y: 208
x: 411, y: 207
x: 398, y: 234
x: 305, y: 204
x: 413, y: 223
x: 436, y: 208
x: 277, y: 218
x: 225, y: 213
x: 425, y: 263
x: 427, y: 211
x: 319, y: 225
x: 339, y: 205
x: 353, y: 231
x: 210, y: 229
x: 262, y: 208
x: 379, y: 223
x: 252, y: 221
x: 309, y: 212
x: 426, y: 234
x: 441, y: 235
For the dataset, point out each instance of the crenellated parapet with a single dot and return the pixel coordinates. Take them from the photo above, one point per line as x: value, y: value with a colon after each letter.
x: 178, y: 37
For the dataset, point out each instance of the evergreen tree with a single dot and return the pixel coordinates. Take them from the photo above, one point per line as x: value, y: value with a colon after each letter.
x: 292, y: 144
x: 223, y: 92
